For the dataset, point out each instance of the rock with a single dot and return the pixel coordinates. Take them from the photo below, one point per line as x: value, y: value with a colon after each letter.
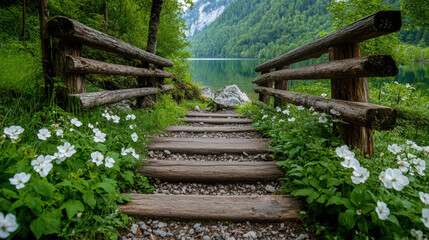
x: 160, y: 233
x: 207, y: 93
x: 143, y: 226
x: 135, y: 229
x: 231, y: 238
x: 259, y: 234
x: 229, y: 96
x: 303, y: 236
x: 196, y: 108
x: 167, y: 152
x: 199, y: 229
x: 250, y: 234
x: 162, y: 224
x: 197, y: 225
x: 270, y: 189
x: 191, y: 231
x: 206, y: 237
x: 155, y: 224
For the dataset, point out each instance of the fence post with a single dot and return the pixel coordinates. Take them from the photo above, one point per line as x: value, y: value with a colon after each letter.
x: 281, y: 85
x: 351, y: 89
x: 263, y: 97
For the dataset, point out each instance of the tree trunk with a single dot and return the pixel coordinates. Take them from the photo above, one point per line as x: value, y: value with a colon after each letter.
x: 23, y: 20
x: 263, y: 97
x: 351, y: 89
x: 46, y: 46
x: 155, y: 17
x: 281, y: 85
x: 106, y: 16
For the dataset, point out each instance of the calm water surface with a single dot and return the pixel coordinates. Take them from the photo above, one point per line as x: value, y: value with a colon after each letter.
x: 218, y: 72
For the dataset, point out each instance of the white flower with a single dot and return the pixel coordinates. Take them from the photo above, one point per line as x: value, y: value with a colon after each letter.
x: 71, y: 130
x: 115, y: 118
x: 20, y: 179
x: 344, y: 152
x: 322, y: 118
x: 281, y: 120
x: 403, y: 165
x: 424, y: 197
x: 420, y: 166
x: 44, y: 168
x: 131, y: 116
x: 44, y: 134
x: 55, y: 126
x: 265, y: 116
x: 97, y: 158
x: 8, y: 224
x: 300, y: 108
x: 278, y: 109
x: 106, y: 115
x: 411, y: 156
x: 130, y: 150
x: 67, y: 150
x: 60, y: 157
x: 134, y: 137
x: 273, y: 118
x: 42, y: 159
x: 382, y: 210
x: 135, y: 155
x: 425, y: 217
x: 359, y: 212
x: 311, y: 109
x: 413, y: 145
x: 131, y: 126
x: 13, y: 132
x: 394, y: 148
x: 292, y: 119
x: 334, y: 112
x: 324, y: 94
x: 90, y: 125
x: 124, y: 151
x: 96, y: 130
x: 76, y: 122
x: 394, y: 178
x: 286, y: 112
x: 426, y: 150
x: 109, y: 162
x: 59, y: 133
x: 417, y: 234
x: 99, y: 137
x: 350, y: 163
x: 360, y: 175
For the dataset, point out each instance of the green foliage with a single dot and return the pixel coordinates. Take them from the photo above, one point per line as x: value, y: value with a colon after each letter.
x: 418, y: 12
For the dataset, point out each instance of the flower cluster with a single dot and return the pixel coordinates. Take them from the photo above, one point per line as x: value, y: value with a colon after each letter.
x: 97, y: 158
x: 13, y: 132
x: 360, y: 174
x: 99, y: 136
x: 43, y: 165
x: 20, y: 179
x: 65, y: 151
x: 129, y: 150
x: 114, y: 118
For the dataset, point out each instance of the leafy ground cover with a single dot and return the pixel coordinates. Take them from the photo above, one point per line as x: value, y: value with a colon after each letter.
x: 349, y: 196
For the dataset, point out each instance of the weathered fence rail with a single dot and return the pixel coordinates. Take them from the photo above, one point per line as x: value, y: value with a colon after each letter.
x: 348, y: 72
x: 68, y: 38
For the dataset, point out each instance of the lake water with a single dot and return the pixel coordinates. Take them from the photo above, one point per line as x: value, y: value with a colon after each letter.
x: 218, y: 72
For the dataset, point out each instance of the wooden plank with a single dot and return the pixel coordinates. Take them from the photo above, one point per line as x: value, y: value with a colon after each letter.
x: 85, y: 66
x: 63, y: 27
x: 281, y: 85
x: 218, y: 120
x: 377, y: 24
x: 215, y: 172
x: 269, y: 208
x: 209, y: 129
x: 365, y: 114
x: 93, y: 99
x: 371, y: 66
x: 209, y: 145
x: 215, y: 115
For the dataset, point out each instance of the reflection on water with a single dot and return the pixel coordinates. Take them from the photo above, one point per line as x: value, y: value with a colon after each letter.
x: 216, y: 73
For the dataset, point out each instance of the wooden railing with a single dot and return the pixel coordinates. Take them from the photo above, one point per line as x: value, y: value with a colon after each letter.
x: 68, y: 38
x: 347, y: 71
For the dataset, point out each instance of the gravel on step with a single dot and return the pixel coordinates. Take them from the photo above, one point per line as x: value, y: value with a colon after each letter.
x: 158, y: 229
x: 227, y: 189
x: 243, y: 157
x: 201, y: 124
x: 247, y: 135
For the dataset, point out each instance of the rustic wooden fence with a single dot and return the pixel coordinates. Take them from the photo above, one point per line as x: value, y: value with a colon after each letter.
x: 68, y: 37
x: 348, y: 72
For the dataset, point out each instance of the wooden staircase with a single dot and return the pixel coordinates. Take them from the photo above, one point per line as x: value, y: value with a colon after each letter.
x: 260, y: 208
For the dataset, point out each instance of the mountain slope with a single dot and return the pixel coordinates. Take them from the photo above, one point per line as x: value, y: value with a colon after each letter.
x: 203, y: 13
x: 262, y: 28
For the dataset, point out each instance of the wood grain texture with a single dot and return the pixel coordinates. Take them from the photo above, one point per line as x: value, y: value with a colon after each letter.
x: 281, y: 85
x: 63, y: 27
x: 377, y: 24
x: 265, y: 98
x: 209, y: 129
x: 214, y: 172
x: 268, y: 208
x: 215, y: 115
x: 371, y: 66
x: 209, y: 145
x: 218, y: 120
x: 364, y: 114
x: 93, y: 99
x: 85, y: 66
x: 48, y: 71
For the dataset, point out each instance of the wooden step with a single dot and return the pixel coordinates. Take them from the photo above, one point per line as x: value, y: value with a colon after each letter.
x: 218, y: 120
x: 215, y: 115
x: 256, y: 208
x: 215, y: 172
x: 209, y: 145
x: 209, y: 129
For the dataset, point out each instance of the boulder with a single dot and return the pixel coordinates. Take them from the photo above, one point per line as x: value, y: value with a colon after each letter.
x: 207, y: 93
x: 229, y: 96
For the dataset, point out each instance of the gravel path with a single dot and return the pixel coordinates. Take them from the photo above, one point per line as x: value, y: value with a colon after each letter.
x: 187, y: 230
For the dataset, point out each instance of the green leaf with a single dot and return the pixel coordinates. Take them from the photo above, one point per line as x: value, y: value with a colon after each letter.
x: 88, y: 198
x: 128, y: 176
x: 302, y: 192
x: 34, y: 204
x: 113, y: 155
x: 8, y: 194
x: 313, y: 197
x: 101, y: 147
x: 393, y: 219
x: 46, y: 224
x: 44, y: 188
x: 5, y: 205
x: 333, y: 182
x: 72, y: 207
x: 335, y: 200
x: 346, y: 219
x: 357, y: 197
x: 38, y: 227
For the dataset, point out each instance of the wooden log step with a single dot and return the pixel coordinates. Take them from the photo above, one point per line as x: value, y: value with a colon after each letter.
x: 218, y: 120
x: 269, y: 208
x: 209, y: 129
x: 215, y: 172
x: 209, y: 145
x: 215, y: 115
